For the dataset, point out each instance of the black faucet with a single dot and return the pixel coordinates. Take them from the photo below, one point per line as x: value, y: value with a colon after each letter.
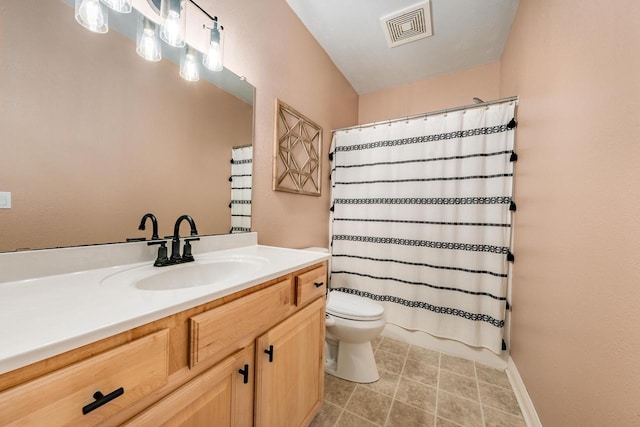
x: 175, y: 243
x: 154, y: 221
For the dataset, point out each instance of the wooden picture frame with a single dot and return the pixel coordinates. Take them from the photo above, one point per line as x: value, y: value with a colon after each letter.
x: 297, y: 163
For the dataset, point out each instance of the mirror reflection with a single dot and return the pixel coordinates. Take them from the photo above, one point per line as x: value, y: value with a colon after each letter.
x: 93, y: 136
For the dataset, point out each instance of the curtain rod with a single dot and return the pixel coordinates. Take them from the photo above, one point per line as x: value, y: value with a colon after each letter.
x: 432, y: 113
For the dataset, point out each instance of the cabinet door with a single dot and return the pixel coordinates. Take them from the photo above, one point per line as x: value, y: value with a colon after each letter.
x: 289, y: 369
x: 221, y: 396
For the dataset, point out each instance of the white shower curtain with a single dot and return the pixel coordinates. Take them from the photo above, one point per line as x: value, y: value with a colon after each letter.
x: 421, y: 220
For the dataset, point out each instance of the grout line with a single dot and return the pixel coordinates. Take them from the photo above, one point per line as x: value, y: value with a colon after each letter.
x: 496, y: 385
x: 349, y: 400
x: 395, y: 392
x: 475, y: 371
x: 505, y: 412
x: 362, y: 418
x: 452, y: 422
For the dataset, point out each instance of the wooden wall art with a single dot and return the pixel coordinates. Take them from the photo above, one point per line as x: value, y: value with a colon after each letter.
x: 298, y: 144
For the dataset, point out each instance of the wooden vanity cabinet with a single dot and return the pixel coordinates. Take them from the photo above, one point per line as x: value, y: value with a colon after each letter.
x: 189, y: 369
x: 290, y: 369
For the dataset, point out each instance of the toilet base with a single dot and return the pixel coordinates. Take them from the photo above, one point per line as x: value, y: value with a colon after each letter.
x: 355, y: 362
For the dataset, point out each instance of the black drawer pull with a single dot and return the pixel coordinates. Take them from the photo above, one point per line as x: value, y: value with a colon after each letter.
x: 245, y: 374
x: 269, y: 351
x: 101, y: 399
x: 318, y: 284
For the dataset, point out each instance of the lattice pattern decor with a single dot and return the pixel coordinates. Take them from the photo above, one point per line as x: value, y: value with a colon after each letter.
x: 296, y: 163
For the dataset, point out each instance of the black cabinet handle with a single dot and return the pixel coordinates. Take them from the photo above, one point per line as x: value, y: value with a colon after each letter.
x: 269, y: 351
x: 101, y: 399
x: 245, y: 374
x: 318, y: 284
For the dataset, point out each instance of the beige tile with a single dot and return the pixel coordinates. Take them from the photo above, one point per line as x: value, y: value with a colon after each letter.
x: 422, y: 372
x: 347, y: 419
x: 389, y: 361
x: 417, y: 394
x: 441, y: 422
x: 424, y: 355
x: 459, y: 385
x: 495, y: 418
x: 337, y: 390
x: 386, y: 385
x: 459, y: 410
x: 394, y: 346
x: 369, y: 405
x: 499, y: 398
x: 327, y: 416
x: 492, y: 376
x: 403, y: 415
x: 458, y: 365
x: 376, y: 343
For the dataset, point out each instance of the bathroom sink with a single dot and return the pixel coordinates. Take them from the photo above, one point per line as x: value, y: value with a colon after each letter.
x: 215, y: 270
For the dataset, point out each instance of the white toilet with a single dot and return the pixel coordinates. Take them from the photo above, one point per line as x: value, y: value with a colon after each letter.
x: 352, y: 323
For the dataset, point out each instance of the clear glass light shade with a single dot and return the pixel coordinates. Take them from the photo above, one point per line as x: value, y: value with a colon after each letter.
x: 92, y: 15
x: 121, y: 6
x: 173, y: 12
x: 213, y: 58
x: 189, y: 64
x: 148, y: 40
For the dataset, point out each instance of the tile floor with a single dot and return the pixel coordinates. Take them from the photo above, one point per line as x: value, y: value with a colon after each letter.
x: 420, y: 387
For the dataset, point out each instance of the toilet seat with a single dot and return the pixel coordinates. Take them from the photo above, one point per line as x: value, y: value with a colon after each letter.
x: 353, y: 307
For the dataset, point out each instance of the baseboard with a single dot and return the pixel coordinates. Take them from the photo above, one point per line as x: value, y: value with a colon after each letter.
x: 526, y: 405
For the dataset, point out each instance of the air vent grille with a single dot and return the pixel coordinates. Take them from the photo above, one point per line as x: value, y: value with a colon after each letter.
x: 407, y: 25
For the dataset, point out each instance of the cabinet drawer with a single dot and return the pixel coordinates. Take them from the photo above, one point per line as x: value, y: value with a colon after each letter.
x: 221, y: 331
x: 58, y: 398
x: 311, y: 285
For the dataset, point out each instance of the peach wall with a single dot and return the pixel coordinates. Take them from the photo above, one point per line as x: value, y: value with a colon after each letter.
x: 267, y: 43
x: 449, y: 90
x: 92, y: 136
x: 576, y: 294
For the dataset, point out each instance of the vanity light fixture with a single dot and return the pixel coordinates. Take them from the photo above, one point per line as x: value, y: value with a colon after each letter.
x: 213, y: 58
x: 92, y: 15
x: 173, y: 30
x: 148, y: 40
x: 189, y: 64
x: 120, y: 6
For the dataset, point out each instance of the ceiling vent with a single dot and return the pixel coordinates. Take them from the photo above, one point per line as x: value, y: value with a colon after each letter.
x: 407, y: 25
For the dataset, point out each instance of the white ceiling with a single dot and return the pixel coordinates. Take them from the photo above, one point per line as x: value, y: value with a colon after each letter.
x: 466, y: 34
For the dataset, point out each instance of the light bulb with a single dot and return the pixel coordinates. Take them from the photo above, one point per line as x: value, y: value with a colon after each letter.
x: 172, y: 30
x: 213, y: 59
x: 148, y: 48
x: 91, y: 15
x: 148, y: 45
x: 121, y: 6
x: 189, y: 66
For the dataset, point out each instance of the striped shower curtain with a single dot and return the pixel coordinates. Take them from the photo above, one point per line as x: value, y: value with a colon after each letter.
x: 421, y: 220
x: 241, y: 184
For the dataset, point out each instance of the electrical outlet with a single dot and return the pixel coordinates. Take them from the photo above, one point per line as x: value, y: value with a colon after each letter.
x: 5, y: 200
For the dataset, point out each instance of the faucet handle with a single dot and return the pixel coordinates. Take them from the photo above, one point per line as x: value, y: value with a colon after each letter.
x: 161, y: 259
x: 186, y: 252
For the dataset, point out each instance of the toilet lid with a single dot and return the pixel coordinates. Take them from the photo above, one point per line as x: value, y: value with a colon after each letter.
x: 353, y: 307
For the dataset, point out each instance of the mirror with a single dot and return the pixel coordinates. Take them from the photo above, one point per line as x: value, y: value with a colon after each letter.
x: 93, y: 136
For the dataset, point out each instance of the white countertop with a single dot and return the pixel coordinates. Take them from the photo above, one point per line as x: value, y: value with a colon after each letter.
x: 46, y: 316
